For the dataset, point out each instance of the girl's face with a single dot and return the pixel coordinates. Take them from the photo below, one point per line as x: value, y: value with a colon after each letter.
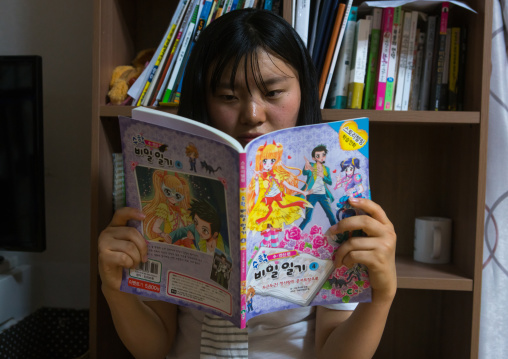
x: 350, y: 170
x: 172, y: 195
x: 246, y: 115
x: 268, y: 164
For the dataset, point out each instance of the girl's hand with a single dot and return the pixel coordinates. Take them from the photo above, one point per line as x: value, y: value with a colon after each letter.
x: 120, y: 247
x: 376, y: 250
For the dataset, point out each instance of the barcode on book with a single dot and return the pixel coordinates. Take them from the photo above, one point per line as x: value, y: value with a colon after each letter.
x: 150, y: 267
x: 150, y: 271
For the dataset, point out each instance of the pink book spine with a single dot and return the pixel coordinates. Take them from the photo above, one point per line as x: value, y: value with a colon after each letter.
x: 384, y: 55
x: 243, y: 234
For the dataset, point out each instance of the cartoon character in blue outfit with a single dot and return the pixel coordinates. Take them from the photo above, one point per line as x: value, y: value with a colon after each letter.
x: 318, y: 180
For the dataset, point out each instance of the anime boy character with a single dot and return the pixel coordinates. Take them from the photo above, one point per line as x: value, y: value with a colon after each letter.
x: 168, y: 209
x: 203, y: 233
x: 250, y: 294
x: 270, y: 198
x: 191, y: 151
x: 318, y: 179
x: 351, y: 182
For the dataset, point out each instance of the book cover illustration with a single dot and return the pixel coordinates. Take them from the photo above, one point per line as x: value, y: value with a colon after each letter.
x: 241, y: 234
x: 180, y: 181
x: 299, y: 181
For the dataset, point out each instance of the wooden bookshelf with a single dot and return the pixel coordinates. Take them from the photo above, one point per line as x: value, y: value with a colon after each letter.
x: 422, y: 163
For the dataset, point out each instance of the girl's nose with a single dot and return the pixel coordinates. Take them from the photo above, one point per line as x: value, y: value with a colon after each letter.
x: 253, y: 112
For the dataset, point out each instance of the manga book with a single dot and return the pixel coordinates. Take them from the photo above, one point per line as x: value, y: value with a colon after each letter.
x: 239, y: 232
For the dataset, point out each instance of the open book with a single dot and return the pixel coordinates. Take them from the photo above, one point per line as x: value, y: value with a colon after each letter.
x: 239, y: 232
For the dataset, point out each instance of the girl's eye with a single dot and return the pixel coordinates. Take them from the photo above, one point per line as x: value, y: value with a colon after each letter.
x: 228, y: 98
x: 273, y: 93
x: 273, y: 161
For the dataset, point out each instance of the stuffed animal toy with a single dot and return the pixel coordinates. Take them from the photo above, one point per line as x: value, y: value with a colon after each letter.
x: 125, y: 75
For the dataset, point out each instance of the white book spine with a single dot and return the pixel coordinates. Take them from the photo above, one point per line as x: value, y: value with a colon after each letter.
x: 399, y: 90
x: 302, y: 19
x: 409, y: 63
x: 362, y: 50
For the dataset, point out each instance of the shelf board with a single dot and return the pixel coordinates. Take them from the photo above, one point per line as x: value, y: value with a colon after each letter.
x: 416, y: 275
x: 443, y: 117
x: 335, y: 115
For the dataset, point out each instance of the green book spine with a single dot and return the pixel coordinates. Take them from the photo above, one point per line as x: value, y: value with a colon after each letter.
x: 370, y: 82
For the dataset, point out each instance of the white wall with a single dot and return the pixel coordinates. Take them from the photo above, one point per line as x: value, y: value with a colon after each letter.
x: 61, y: 32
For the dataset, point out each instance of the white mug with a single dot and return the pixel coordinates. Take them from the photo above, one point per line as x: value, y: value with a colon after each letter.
x: 433, y: 239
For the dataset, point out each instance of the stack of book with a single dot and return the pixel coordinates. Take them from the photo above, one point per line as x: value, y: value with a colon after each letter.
x: 160, y: 83
x: 394, y: 58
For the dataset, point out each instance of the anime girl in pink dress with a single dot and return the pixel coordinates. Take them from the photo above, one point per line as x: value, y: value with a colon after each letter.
x: 271, y: 203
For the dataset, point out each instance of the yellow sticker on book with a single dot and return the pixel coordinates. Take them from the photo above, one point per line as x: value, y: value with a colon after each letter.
x: 351, y: 137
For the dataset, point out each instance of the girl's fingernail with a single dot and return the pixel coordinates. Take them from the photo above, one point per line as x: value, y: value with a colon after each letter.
x: 145, y: 258
x: 354, y: 200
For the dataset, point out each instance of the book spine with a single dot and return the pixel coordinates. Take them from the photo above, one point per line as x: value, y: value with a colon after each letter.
x: 313, y: 27
x: 331, y: 49
x: 302, y: 19
x: 357, y: 76
x: 243, y: 234
x: 234, y: 5
x: 181, y: 55
x: 443, y: 98
x: 410, y: 62
x: 320, y: 59
x: 339, y: 88
x: 338, y: 46
x: 370, y: 81
x: 417, y: 73
x: 394, y: 55
x: 170, y: 64
x: 401, y: 72
x: 384, y: 55
x: 423, y: 101
x: 162, y: 55
x: 462, y: 69
x: 440, y: 58
x: 212, y: 12
x: 324, y: 13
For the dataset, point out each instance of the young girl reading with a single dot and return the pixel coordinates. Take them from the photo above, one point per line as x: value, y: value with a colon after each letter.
x: 250, y: 74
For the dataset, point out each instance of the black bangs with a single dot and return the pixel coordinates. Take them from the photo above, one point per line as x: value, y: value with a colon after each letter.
x: 238, y: 58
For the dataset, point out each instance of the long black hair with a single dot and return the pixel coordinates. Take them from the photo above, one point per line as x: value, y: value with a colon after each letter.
x: 238, y: 35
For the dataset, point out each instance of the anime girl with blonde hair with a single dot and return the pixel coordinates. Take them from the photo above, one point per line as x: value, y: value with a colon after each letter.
x: 270, y: 198
x: 169, y: 208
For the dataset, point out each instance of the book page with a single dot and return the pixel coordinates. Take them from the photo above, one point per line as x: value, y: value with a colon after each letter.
x: 298, y: 184
x: 183, y: 124
x: 187, y: 186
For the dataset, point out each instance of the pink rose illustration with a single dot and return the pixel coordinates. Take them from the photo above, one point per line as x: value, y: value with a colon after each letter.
x: 316, y: 230
x: 300, y: 246
x: 315, y: 253
x: 294, y: 233
x: 318, y: 241
x: 306, y: 250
